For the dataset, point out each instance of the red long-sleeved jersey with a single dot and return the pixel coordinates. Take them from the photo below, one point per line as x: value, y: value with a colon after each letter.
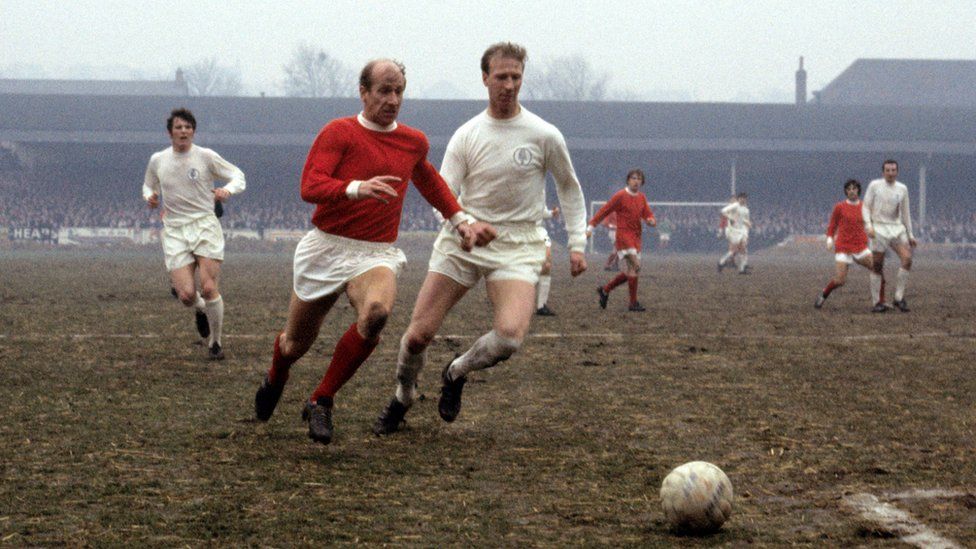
x: 846, y: 227
x: 345, y: 151
x: 631, y: 210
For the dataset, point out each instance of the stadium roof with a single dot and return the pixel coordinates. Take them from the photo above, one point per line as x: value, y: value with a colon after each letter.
x: 904, y: 82
x: 280, y: 121
x: 176, y: 87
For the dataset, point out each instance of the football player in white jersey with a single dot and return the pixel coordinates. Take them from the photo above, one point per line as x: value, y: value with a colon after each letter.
x: 181, y: 178
x: 496, y: 163
x: 887, y: 217
x: 737, y: 233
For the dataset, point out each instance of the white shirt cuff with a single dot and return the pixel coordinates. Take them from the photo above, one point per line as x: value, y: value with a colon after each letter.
x: 352, y: 189
x: 461, y: 217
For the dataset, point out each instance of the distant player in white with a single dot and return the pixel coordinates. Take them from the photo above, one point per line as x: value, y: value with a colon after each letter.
x: 889, y: 225
x: 545, y: 276
x: 496, y: 163
x: 183, y: 177
x: 737, y: 233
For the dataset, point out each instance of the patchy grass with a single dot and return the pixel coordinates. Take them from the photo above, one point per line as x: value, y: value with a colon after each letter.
x: 116, y: 430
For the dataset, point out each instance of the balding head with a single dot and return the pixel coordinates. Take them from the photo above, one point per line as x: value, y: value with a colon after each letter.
x: 368, y: 76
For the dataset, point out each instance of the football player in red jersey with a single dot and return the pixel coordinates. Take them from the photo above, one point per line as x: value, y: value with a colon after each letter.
x: 631, y: 208
x: 847, y: 238
x: 356, y: 174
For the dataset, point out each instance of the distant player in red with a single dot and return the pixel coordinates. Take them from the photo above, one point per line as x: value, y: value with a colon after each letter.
x: 631, y: 208
x: 847, y: 238
x: 356, y: 174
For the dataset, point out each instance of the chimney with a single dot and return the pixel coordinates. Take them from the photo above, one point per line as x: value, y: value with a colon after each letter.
x: 801, y: 85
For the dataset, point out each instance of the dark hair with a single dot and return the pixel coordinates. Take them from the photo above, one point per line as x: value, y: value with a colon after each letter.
x: 183, y: 113
x: 366, y: 75
x: 853, y: 183
x: 889, y: 161
x: 505, y: 49
x: 637, y: 171
x: 742, y: 195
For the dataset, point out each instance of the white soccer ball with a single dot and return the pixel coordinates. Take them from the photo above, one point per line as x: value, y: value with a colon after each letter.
x: 696, y: 497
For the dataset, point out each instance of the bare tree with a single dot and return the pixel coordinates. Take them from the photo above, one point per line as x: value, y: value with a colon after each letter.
x: 569, y: 78
x: 208, y: 77
x: 314, y: 73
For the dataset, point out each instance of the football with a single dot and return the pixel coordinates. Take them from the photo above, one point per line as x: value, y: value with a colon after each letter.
x: 696, y: 498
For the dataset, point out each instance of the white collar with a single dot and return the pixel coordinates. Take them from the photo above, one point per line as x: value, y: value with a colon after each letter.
x: 370, y: 125
x: 631, y: 193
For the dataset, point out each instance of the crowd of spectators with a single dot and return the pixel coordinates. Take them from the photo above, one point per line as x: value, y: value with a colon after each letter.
x: 688, y: 228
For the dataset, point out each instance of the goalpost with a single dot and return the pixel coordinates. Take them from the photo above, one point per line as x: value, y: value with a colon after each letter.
x: 597, y: 204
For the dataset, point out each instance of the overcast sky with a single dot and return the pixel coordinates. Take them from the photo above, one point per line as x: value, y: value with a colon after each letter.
x: 720, y: 50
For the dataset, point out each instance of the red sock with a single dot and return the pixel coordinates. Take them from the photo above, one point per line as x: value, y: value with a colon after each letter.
x: 632, y: 286
x: 830, y: 287
x: 351, y: 351
x: 278, y: 374
x: 617, y: 281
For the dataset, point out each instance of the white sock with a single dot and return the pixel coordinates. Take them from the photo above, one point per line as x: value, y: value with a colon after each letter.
x: 408, y: 369
x: 875, y: 288
x: 725, y: 259
x: 542, y: 291
x: 745, y: 260
x: 215, y: 317
x: 199, y: 304
x: 490, y: 349
x: 900, y: 282
x: 738, y: 261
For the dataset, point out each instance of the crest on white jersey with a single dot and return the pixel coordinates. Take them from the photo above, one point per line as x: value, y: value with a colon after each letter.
x: 522, y: 156
x: 193, y: 174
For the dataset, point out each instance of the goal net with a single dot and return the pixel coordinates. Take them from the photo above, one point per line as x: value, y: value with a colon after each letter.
x: 690, y: 220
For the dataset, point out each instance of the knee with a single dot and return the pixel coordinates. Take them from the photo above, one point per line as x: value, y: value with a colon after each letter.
x: 416, y: 341
x: 208, y: 289
x: 906, y: 263
x: 840, y: 280
x: 293, y: 348
x: 373, y: 320
x: 546, y: 268
x: 187, y: 297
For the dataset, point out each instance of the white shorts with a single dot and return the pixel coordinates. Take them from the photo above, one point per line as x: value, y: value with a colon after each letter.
x: 629, y: 251
x: 736, y: 236
x: 516, y: 254
x: 325, y: 263
x: 886, y: 235
x: 849, y: 258
x: 201, y: 237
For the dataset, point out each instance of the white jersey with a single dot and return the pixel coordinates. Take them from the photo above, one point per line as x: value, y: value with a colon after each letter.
x: 887, y: 204
x: 497, y: 169
x: 738, y: 216
x: 185, y: 182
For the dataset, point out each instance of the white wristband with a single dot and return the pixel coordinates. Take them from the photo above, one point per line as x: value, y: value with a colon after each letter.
x: 352, y: 189
x: 461, y: 217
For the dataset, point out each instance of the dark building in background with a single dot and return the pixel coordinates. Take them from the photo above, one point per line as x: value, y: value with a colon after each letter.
x: 904, y: 83
x: 782, y: 154
x: 44, y: 86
